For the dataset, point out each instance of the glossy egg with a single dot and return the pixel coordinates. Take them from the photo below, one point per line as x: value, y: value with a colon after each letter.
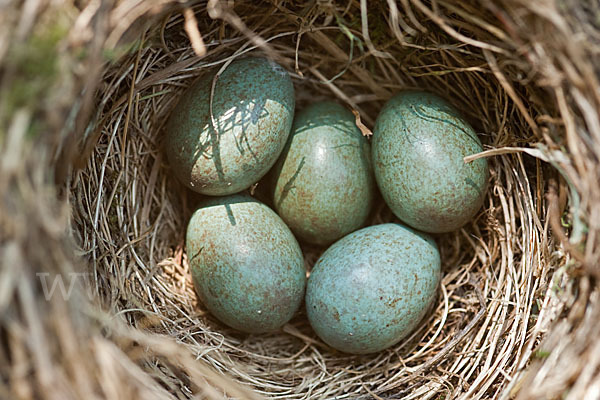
x: 323, y: 181
x: 253, y: 110
x: 419, y: 143
x: 246, y: 265
x: 372, y: 287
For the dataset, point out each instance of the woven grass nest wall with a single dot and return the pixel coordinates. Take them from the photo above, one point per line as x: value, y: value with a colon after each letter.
x: 86, y: 191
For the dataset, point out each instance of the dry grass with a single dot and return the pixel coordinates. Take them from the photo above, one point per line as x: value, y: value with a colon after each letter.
x: 518, y: 307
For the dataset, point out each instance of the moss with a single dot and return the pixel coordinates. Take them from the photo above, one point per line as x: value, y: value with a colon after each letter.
x: 35, y: 127
x: 541, y: 354
x: 114, y: 55
x: 33, y: 68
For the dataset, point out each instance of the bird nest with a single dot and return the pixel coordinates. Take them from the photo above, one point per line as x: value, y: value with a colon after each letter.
x: 87, y: 192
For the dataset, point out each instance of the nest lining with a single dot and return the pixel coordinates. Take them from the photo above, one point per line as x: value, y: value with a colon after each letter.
x: 497, y: 296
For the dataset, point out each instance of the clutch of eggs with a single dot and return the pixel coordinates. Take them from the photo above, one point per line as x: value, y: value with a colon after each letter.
x: 371, y: 287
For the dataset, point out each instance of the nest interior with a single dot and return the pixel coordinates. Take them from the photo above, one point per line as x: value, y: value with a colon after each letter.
x: 518, y: 280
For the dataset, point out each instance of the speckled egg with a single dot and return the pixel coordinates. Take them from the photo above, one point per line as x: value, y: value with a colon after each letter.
x: 372, y: 287
x: 419, y: 143
x: 247, y: 267
x: 323, y: 181
x: 253, y: 110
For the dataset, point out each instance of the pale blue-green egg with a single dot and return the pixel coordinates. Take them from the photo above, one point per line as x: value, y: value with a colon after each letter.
x: 252, y: 112
x: 323, y: 181
x: 419, y: 144
x: 372, y: 287
x: 246, y: 265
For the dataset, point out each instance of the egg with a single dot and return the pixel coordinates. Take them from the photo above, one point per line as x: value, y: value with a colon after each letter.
x: 246, y: 265
x: 323, y: 181
x: 253, y: 110
x: 418, y: 146
x: 372, y: 287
